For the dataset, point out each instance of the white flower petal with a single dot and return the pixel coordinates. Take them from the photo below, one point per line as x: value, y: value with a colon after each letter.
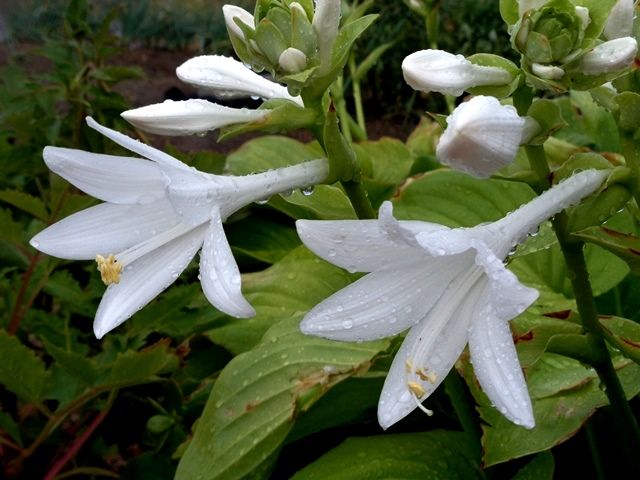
x: 432, y: 347
x: 440, y: 71
x: 610, y: 56
x: 620, y: 20
x: 524, y: 5
x: 383, y: 303
x: 144, y: 279
x: 355, y: 245
x: 113, y: 179
x: 404, y: 231
x: 136, y: 146
x: 104, y: 229
x: 497, y: 367
x: 219, y: 274
x: 481, y: 137
x: 225, y: 77
x: 187, y: 117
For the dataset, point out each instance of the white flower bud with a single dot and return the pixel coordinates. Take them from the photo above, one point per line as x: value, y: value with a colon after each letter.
x: 188, y: 117
x: 620, y: 21
x: 292, y: 60
x: 610, y: 56
x: 326, y: 21
x: 524, y: 5
x: 231, y: 12
x: 548, y: 72
x: 482, y: 136
x: 440, y: 71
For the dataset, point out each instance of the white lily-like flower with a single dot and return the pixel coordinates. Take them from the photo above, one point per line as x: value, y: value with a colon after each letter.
x: 186, y: 117
x: 449, y: 286
x: 444, y: 72
x: 326, y: 22
x: 225, y: 77
x: 482, y: 136
x: 620, y: 21
x: 158, y: 213
x: 609, y: 56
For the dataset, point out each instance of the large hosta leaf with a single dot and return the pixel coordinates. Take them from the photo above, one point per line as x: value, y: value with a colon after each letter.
x: 295, y: 284
x: 256, y: 398
x: 438, y: 454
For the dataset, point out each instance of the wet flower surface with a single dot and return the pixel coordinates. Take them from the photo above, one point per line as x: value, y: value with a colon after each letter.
x: 448, y: 286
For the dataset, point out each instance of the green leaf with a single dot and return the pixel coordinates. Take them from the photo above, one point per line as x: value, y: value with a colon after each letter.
x: 490, y: 60
x: 76, y: 365
x: 509, y: 11
x: 21, y: 371
x: 624, y: 245
x: 262, y: 239
x: 256, y: 398
x: 134, y: 368
x: 385, y: 163
x: 623, y: 334
x: 429, y: 455
x: 540, y: 468
x: 295, y: 284
x: 10, y: 427
x: 25, y: 202
x: 370, y: 60
x: 564, y: 394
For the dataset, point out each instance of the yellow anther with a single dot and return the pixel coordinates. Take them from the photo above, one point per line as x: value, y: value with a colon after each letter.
x: 109, y: 269
x: 417, y: 389
x: 408, y: 366
x: 426, y: 376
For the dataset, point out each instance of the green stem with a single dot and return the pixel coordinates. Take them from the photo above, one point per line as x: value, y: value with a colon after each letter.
x: 457, y: 393
x: 538, y: 162
x: 341, y: 107
x: 624, y: 420
x: 595, y: 451
x: 357, y: 97
x: 630, y: 151
x: 359, y: 199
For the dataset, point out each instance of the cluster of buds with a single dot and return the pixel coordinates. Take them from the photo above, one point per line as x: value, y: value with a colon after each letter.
x: 291, y: 40
x: 565, y: 45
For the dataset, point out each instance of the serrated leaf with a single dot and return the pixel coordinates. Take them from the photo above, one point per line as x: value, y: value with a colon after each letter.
x: 74, y: 364
x: 25, y: 202
x: 438, y: 454
x: 623, y: 334
x: 21, y: 371
x: 295, y: 284
x: 257, y: 396
x: 10, y: 427
x: 134, y: 368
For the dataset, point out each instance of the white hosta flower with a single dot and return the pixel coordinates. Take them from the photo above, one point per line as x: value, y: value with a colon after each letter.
x: 326, y: 21
x: 549, y: 72
x: 187, y: 117
x: 449, y: 286
x: 158, y: 213
x: 620, y: 21
x: 233, y: 12
x: 482, y: 136
x: 440, y: 71
x: 609, y: 56
x: 225, y: 77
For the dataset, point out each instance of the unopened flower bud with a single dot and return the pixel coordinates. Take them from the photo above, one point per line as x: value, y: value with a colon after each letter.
x: 440, y: 71
x: 620, y: 21
x: 231, y: 13
x: 292, y: 60
x: 609, y: 56
x: 482, y: 136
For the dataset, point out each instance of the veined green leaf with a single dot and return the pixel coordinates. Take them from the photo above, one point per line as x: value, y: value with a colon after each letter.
x: 20, y: 370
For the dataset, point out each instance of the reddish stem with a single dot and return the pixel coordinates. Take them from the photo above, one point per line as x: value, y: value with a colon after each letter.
x: 76, y: 445
x: 17, y: 313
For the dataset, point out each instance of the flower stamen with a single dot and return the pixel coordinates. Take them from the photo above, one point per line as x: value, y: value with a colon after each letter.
x: 418, y: 391
x: 110, y: 269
